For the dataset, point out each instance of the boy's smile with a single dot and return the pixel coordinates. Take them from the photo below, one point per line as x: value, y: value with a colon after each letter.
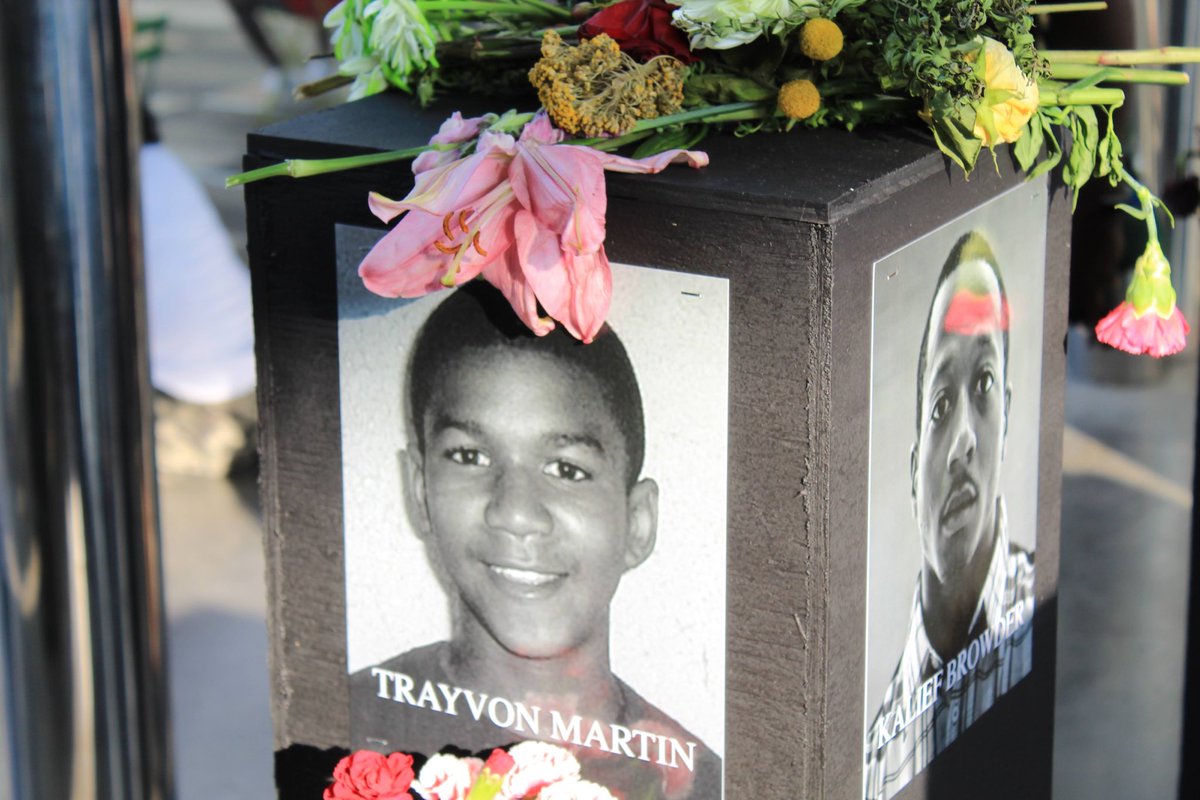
x: 522, y: 494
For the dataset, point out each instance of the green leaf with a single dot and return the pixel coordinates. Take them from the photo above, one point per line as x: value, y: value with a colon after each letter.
x: 1029, y: 146
x: 718, y: 89
x: 957, y: 141
x: 1081, y: 161
x: 1053, y: 149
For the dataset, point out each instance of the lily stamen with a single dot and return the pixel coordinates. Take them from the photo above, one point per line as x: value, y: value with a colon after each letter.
x: 446, y: 226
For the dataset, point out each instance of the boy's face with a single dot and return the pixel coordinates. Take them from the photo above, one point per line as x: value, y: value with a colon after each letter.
x: 522, y: 492
x: 956, y: 461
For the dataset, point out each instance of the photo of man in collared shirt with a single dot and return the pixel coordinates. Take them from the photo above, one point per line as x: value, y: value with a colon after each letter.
x: 969, y: 635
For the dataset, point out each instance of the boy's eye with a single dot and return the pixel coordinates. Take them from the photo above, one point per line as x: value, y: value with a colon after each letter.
x: 939, y: 408
x: 566, y: 471
x: 468, y: 457
x: 984, y: 381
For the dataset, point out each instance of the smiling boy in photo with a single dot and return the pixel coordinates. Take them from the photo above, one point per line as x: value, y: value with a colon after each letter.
x: 523, y: 478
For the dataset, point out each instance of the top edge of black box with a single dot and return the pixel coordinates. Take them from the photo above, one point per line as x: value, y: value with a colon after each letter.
x: 816, y: 176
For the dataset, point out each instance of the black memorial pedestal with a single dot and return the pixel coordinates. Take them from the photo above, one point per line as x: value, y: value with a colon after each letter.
x: 798, y: 224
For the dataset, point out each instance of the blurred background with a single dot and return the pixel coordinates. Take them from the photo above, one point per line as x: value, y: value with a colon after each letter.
x: 212, y: 70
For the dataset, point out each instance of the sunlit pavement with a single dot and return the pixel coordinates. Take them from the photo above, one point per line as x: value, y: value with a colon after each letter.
x: 1126, y: 513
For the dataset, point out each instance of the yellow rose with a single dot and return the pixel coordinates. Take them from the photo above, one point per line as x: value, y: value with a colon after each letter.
x: 1009, y: 100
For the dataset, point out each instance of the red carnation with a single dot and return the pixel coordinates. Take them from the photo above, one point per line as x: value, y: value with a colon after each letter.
x: 366, y: 775
x: 642, y: 28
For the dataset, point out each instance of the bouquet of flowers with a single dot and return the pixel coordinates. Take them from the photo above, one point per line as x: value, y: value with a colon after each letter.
x: 533, y: 770
x: 518, y: 198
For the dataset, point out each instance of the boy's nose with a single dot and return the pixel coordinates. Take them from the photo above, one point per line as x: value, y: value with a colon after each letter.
x: 962, y: 441
x: 515, y: 506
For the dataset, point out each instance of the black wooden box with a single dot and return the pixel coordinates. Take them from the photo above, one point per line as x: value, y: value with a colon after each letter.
x: 829, y: 245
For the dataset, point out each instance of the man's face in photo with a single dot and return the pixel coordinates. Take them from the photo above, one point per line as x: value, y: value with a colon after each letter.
x: 524, y: 495
x: 955, y: 465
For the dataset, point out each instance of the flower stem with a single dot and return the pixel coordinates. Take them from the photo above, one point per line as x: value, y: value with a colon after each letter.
x: 705, y: 113
x: 306, y: 167
x: 1124, y: 58
x: 525, y: 7
x: 1057, y: 8
x: 728, y: 112
x: 879, y: 103
x: 1074, y: 72
x: 1081, y: 97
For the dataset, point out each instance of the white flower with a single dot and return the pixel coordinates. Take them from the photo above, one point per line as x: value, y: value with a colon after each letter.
x: 722, y: 24
x: 537, y: 764
x: 401, y: 35
x: 447, y: 777
x: 575, y: 790
x: 380, y: 40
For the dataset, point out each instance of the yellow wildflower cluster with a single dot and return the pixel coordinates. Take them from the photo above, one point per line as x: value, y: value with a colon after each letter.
x: 821, y: 39
x: 799, y: 99
x: 594, y: 89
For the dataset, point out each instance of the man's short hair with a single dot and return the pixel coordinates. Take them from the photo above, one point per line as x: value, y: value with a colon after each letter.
x: 477, y: 317
x: 971, y: 247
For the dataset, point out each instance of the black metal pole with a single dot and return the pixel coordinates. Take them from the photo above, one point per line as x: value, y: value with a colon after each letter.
x: 81, y: 627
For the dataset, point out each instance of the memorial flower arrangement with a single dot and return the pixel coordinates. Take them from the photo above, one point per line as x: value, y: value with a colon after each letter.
x: 518, y: 198
x: 527, y: 771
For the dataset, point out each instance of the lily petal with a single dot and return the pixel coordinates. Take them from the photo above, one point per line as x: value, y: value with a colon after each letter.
x: 563, y: 187
x: 506, y: 275
x: 651, y: 164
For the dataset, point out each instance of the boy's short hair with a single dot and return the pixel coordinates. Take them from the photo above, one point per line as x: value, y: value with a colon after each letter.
x: 477, y: 317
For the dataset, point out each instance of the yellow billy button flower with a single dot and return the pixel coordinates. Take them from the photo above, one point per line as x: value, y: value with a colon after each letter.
x: 1010, y: 98
x: 821, y: 39
x: 799, y: 99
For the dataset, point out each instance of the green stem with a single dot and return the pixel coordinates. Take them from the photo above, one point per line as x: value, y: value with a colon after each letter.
x: 1081, y: 97
x: 550, y: 8
x: 728, y: 112
x: 705, y: 113
x: 1146, y: 201
x: 1058, y: 8
x: 487, y: 7
x: 1124, y: 58
x: 305, y: 167
x: 1074, y: 72
x: 880, y: 103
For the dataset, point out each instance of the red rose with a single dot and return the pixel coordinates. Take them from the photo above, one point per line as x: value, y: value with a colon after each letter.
x: 366, y: 775
x: 642, y: 28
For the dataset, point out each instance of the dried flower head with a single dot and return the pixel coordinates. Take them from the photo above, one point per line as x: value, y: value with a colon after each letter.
x: 594, y: 89
x: 821, y: 39
x: 799, y: 99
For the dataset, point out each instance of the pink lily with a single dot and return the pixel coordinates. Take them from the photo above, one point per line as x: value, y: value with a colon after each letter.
x: 527, y: 215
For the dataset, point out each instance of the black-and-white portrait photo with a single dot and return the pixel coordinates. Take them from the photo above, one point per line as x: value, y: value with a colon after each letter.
x: 955, y: 393
x: 535, y: 529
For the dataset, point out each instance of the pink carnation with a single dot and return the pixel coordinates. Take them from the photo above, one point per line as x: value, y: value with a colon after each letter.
x: 1149, y: 334
x: 446, y: 777
x: 367, y: 775
x: 536, y: 766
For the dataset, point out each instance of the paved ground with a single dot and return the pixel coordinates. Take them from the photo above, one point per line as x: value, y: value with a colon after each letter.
x: 1125, y: 513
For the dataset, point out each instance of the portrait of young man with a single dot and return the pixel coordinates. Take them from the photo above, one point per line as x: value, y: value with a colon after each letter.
x: 967, y: 636
x: 528, y: 509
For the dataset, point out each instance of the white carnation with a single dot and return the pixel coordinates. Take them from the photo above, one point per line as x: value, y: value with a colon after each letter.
x: 723, y: 24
